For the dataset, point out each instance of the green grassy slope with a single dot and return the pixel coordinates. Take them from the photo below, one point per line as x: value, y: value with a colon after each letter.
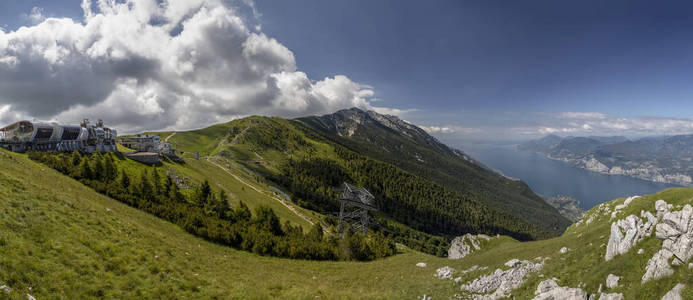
x: 65, y: 241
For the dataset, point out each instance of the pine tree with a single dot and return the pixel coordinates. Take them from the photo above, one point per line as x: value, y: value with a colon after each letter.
x: 85, y: 170
x: 124, y: 180
x: 110, y: 169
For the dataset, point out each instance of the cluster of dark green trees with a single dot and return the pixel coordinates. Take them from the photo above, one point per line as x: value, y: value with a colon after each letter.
x: 400, y: 195
x: 209, y: 214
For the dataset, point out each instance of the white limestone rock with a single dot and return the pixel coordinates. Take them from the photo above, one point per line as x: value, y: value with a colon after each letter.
x: 513, y: 263
x: 462, y: 246
x: 550, y: 290
x: 675, y: 293
x: 625, y: 204
x: 501, y: 282
x: 612, y: 281
x: 445, y: 272
x: 640, y: 251
x: 676, y: 231
x: 563, y: 250
x: 662, y: 207
x: 625, y: 234
x: 421, y: 265
x: 658, y: 266
x: 5, y: 288
x: 613, y: 296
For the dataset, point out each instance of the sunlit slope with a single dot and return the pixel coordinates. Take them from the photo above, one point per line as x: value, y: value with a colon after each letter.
x: 268, y: 146
x: 63, y: 240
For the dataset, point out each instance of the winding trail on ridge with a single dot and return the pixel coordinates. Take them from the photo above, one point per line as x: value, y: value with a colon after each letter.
x: 290, y: 207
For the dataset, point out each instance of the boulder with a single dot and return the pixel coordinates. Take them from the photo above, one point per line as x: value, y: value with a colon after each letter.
x: 461, y: 246
x: 658, y: 266
x: 662, y: 207
x: 676, y: 231
x: 614, y: 296
x: 550, y: 290
x: 563, y: 250
x: 513, y: 263
x: 612, y: 281
x: 625, y: 234
x: 640, y: 251
x: 445, y: 272
x: 675, y: 293
x: 499, y: 283
x: 421, y: 265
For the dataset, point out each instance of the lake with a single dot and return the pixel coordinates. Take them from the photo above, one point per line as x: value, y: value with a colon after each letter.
x: 548, y: 177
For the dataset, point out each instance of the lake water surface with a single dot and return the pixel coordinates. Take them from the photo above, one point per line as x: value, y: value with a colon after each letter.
x: 549, y: 177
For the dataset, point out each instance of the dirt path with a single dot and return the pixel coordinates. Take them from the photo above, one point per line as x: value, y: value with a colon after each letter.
x: 290, y: 207
x: 169, y: 136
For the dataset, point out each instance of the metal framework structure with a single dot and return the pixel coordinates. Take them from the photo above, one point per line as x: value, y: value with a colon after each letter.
x: 355, y: 204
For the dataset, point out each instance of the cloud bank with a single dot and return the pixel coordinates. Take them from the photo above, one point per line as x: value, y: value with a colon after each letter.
x: 149, y: 65
x: 518, y: 126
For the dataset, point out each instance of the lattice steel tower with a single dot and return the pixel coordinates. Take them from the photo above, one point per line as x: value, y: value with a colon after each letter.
x: 355, y: 204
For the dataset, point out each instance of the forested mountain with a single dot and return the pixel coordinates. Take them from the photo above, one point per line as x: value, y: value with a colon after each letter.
x: 392, y: 140
x: 442, y: 193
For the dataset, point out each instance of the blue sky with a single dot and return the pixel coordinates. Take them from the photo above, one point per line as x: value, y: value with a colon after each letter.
x: 481, y: 68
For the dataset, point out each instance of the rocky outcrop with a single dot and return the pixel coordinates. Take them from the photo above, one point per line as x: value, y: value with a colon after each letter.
x: 612, y: 281
x: 501, y: 282
x: 675, y: 293
x: 662, y: 208
x: 676, y: 231
x: 658, y: 266
x: 613, y: 296
x: 445, y: 272
x: 461, y: 246
x: 625, y: 204
x: 626, y: 233
x: 550, y: 290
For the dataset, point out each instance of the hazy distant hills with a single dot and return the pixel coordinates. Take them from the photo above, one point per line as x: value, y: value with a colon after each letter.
x: 658, y: 159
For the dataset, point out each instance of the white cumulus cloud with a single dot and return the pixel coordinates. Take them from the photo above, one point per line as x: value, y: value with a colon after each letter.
x: 148, y: 65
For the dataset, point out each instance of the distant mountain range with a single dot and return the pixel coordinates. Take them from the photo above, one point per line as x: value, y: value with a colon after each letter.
x: 659, y: 159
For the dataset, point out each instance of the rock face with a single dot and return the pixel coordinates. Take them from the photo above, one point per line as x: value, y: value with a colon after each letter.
x: 499, y: 283
x: 675, y: 293
x: 676, y: 231
x: 461, y: 246
x: 550, y: 290
x: 626, y: 233
x: 612, y: 281
x: 445, y: 272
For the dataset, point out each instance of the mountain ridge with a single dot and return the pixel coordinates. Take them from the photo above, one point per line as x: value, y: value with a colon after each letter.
x: 412, y: 149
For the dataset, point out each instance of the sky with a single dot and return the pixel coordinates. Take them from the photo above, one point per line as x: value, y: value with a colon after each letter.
x: 486, y: 69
